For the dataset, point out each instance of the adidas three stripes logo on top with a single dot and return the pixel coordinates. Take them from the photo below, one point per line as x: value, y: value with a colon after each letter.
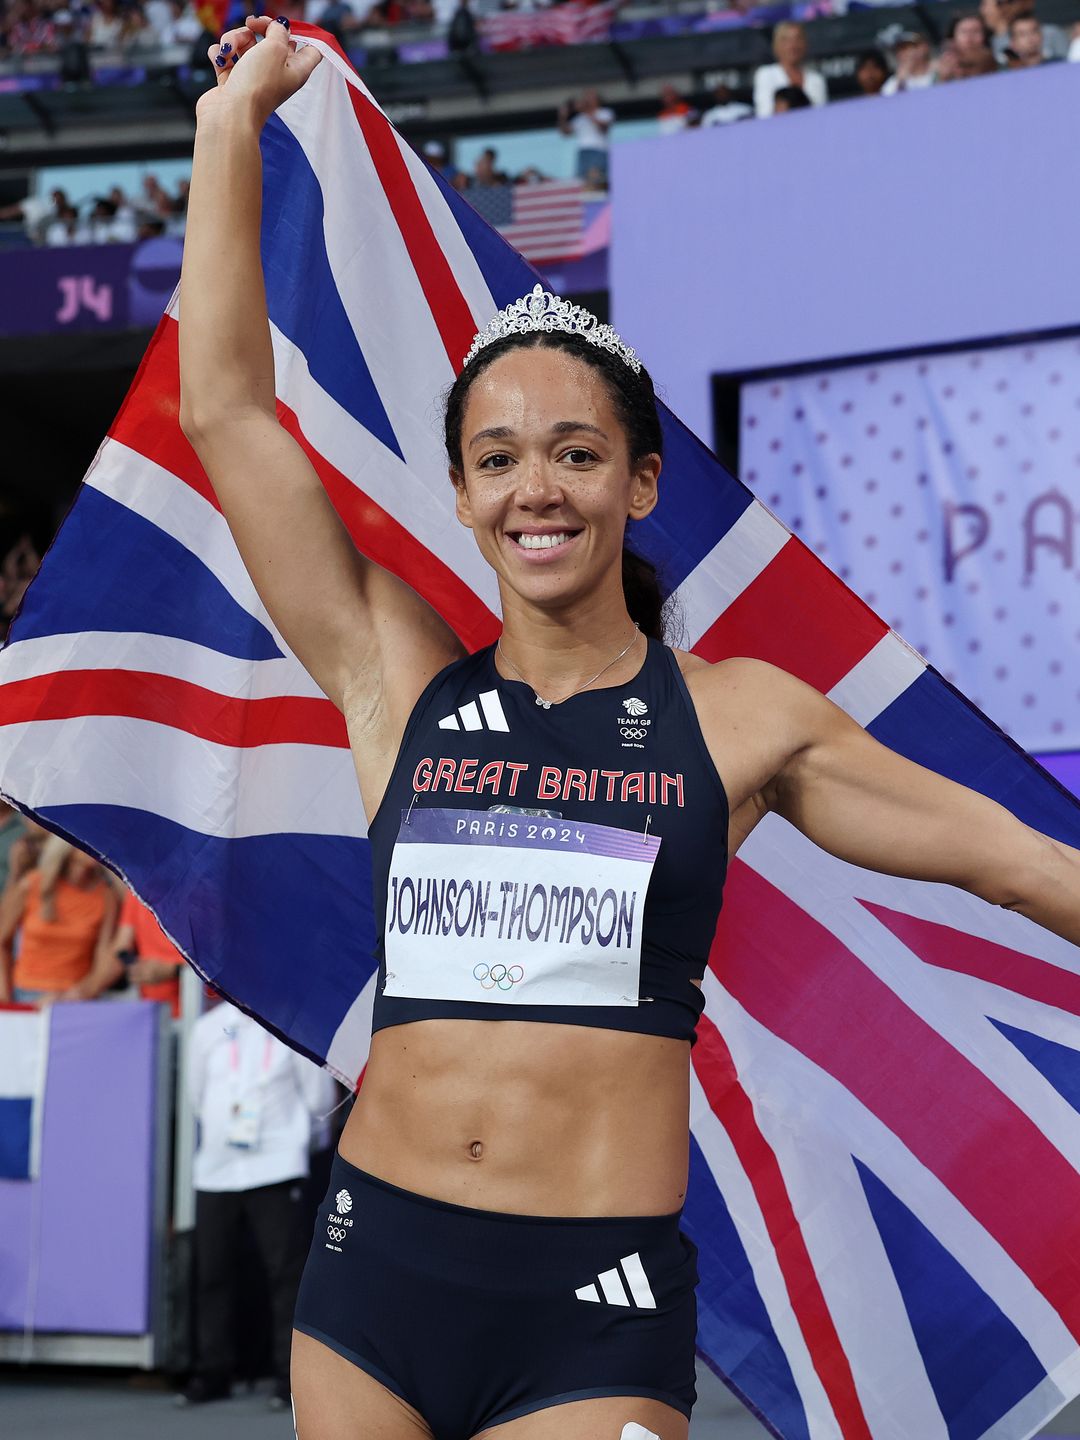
x: 469, y: 717
x: 613, y: 1291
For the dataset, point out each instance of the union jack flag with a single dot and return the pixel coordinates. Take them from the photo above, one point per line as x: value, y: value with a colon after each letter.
x: 885, y: 1187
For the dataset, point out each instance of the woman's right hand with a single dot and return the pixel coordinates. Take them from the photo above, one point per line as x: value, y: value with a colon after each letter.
x: 273, y: 67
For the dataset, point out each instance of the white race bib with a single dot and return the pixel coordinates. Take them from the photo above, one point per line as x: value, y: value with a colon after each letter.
x: 516, y: 909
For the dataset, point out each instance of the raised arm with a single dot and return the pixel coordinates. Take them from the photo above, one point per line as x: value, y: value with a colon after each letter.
x: 796, y: 753
x: 351, y: 624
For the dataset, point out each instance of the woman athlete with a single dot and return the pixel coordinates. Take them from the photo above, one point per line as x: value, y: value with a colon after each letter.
x: 499, y: 1252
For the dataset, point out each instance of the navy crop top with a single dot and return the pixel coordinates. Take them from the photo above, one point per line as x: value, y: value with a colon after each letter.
x: 495, y: 884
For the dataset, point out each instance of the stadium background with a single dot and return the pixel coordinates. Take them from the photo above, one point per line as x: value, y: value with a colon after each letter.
x: 95, y: 100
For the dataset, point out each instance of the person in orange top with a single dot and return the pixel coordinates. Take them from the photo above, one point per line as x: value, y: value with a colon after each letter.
x: 157, y: 970
x: 65, y: 912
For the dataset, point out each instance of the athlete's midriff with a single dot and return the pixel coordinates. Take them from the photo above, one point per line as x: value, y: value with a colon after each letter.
x: 526, y: 1118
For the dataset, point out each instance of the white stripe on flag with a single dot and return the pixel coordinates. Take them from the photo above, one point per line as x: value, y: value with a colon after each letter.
x: 746, y: 1216
x: 214, y: 789
x: 753, y: 541
x: 24, y: 1064
x: 422, y: 502
x: 879, y: 678
x: 158, y: 496
x: 147, y: 654
x: 348, y: 1050
x: 638, y: 1281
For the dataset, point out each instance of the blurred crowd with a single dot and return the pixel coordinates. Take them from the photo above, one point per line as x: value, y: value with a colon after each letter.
x: 108, y: 219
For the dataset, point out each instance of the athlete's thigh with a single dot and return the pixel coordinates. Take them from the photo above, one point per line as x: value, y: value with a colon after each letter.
x: 336, y: 1400
x: 602, y: 1419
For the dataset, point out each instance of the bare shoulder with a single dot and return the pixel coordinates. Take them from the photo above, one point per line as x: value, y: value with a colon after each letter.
x: 740, y: 679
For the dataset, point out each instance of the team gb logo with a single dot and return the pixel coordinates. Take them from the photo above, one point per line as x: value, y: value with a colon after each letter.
x: 343, y: 1201
x: 633, y: 706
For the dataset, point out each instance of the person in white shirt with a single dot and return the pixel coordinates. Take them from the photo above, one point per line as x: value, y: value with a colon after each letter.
x: 725, y: 109
x: 914, y: 63
x: 789, y: 47
x: 587, y: 123
x: 256, y: 1102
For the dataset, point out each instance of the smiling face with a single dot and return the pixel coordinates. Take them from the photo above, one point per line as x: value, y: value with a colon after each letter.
x: 547, y: 481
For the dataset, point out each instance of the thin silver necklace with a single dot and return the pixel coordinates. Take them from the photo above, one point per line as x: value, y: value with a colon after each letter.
x: 547, y: 704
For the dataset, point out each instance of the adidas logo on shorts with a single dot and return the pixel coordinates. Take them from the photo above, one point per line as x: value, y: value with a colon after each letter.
x: 483, y: 713
x: 613, y: 1291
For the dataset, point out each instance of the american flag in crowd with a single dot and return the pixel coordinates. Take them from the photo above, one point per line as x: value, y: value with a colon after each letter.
x: 885, y: 1184
x: 543, y: 221
x: 574, y: 23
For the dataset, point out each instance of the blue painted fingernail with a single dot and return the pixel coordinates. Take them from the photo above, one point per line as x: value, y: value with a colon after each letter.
x: 220, y: 62
x: 284, y: 20
x: 226, y: 48
x: 235, y: 58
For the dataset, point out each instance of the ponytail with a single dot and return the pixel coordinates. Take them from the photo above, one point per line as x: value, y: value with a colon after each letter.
x: 644, y: 597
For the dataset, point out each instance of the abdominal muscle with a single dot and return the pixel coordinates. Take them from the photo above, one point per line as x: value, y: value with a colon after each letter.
x: 526, y: 1118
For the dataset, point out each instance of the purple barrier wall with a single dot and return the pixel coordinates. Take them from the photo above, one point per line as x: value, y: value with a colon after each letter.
x: 88, y: 1219
x: 867, y: 226
x: 87, y: 287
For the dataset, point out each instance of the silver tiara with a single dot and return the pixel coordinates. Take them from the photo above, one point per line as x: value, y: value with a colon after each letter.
x: 542, y: 311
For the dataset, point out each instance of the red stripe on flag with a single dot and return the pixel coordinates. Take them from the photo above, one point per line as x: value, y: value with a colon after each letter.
x: 448, y: 306
x: 149, y: 421
x: 796, y: 615
x: 949, y: 949
x: 149, y: 418
x: 799, y: 981
x: 732, y: 1107
x: 165, y: 700
x: 379, y: 536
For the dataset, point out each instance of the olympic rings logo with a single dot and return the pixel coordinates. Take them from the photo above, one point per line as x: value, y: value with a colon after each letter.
x: 336, y: 1233
x: 628, y: 734
x: 502, y: 976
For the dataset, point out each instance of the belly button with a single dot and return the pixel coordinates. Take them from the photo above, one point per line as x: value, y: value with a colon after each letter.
x: 476, y: 1150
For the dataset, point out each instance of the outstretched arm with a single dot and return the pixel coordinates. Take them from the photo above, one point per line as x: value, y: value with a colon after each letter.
x: 864, y: 803
x: 348, y: 621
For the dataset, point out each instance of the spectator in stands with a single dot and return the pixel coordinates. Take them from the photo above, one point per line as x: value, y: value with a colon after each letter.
x: 436, y: 155
x: 587, y: 123
x: 998, y: 16
x: 142, y: 949
x: 462, y: 34
x: 914, y: 62
x: 30, y: 29
x: 25, y: 853
x: 71, y: 48
x: 102, y: 228
x: 725, y: 109
x: 64, y: 913
x: 967, y: 51
x: 675, y: 113
x: 790, y: 97
x: 1073, y: 52
x: 12, y: 830
x: 66, y: 229
x: 789, y: 70
x: 871, y: 72
x: 1026, y: 44
x: 485, y: 172
x: 126, y: 219
x: 36, y: 212
x: 182, y: 25
x: 255, y: 1101
x: 18, y: 568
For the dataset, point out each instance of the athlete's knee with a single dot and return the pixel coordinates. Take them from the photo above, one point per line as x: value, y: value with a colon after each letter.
x: 633, y: 1431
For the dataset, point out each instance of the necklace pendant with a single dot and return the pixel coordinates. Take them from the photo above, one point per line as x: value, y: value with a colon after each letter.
x: 545, y: 703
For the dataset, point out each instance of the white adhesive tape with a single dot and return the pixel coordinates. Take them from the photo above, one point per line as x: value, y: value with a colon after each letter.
x: 633, y: 1431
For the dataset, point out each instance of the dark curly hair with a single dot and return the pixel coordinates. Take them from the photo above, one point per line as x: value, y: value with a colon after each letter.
x: 634, y: 400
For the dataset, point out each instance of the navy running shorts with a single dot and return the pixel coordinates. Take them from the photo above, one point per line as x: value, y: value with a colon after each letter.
x: 475, y: 1318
